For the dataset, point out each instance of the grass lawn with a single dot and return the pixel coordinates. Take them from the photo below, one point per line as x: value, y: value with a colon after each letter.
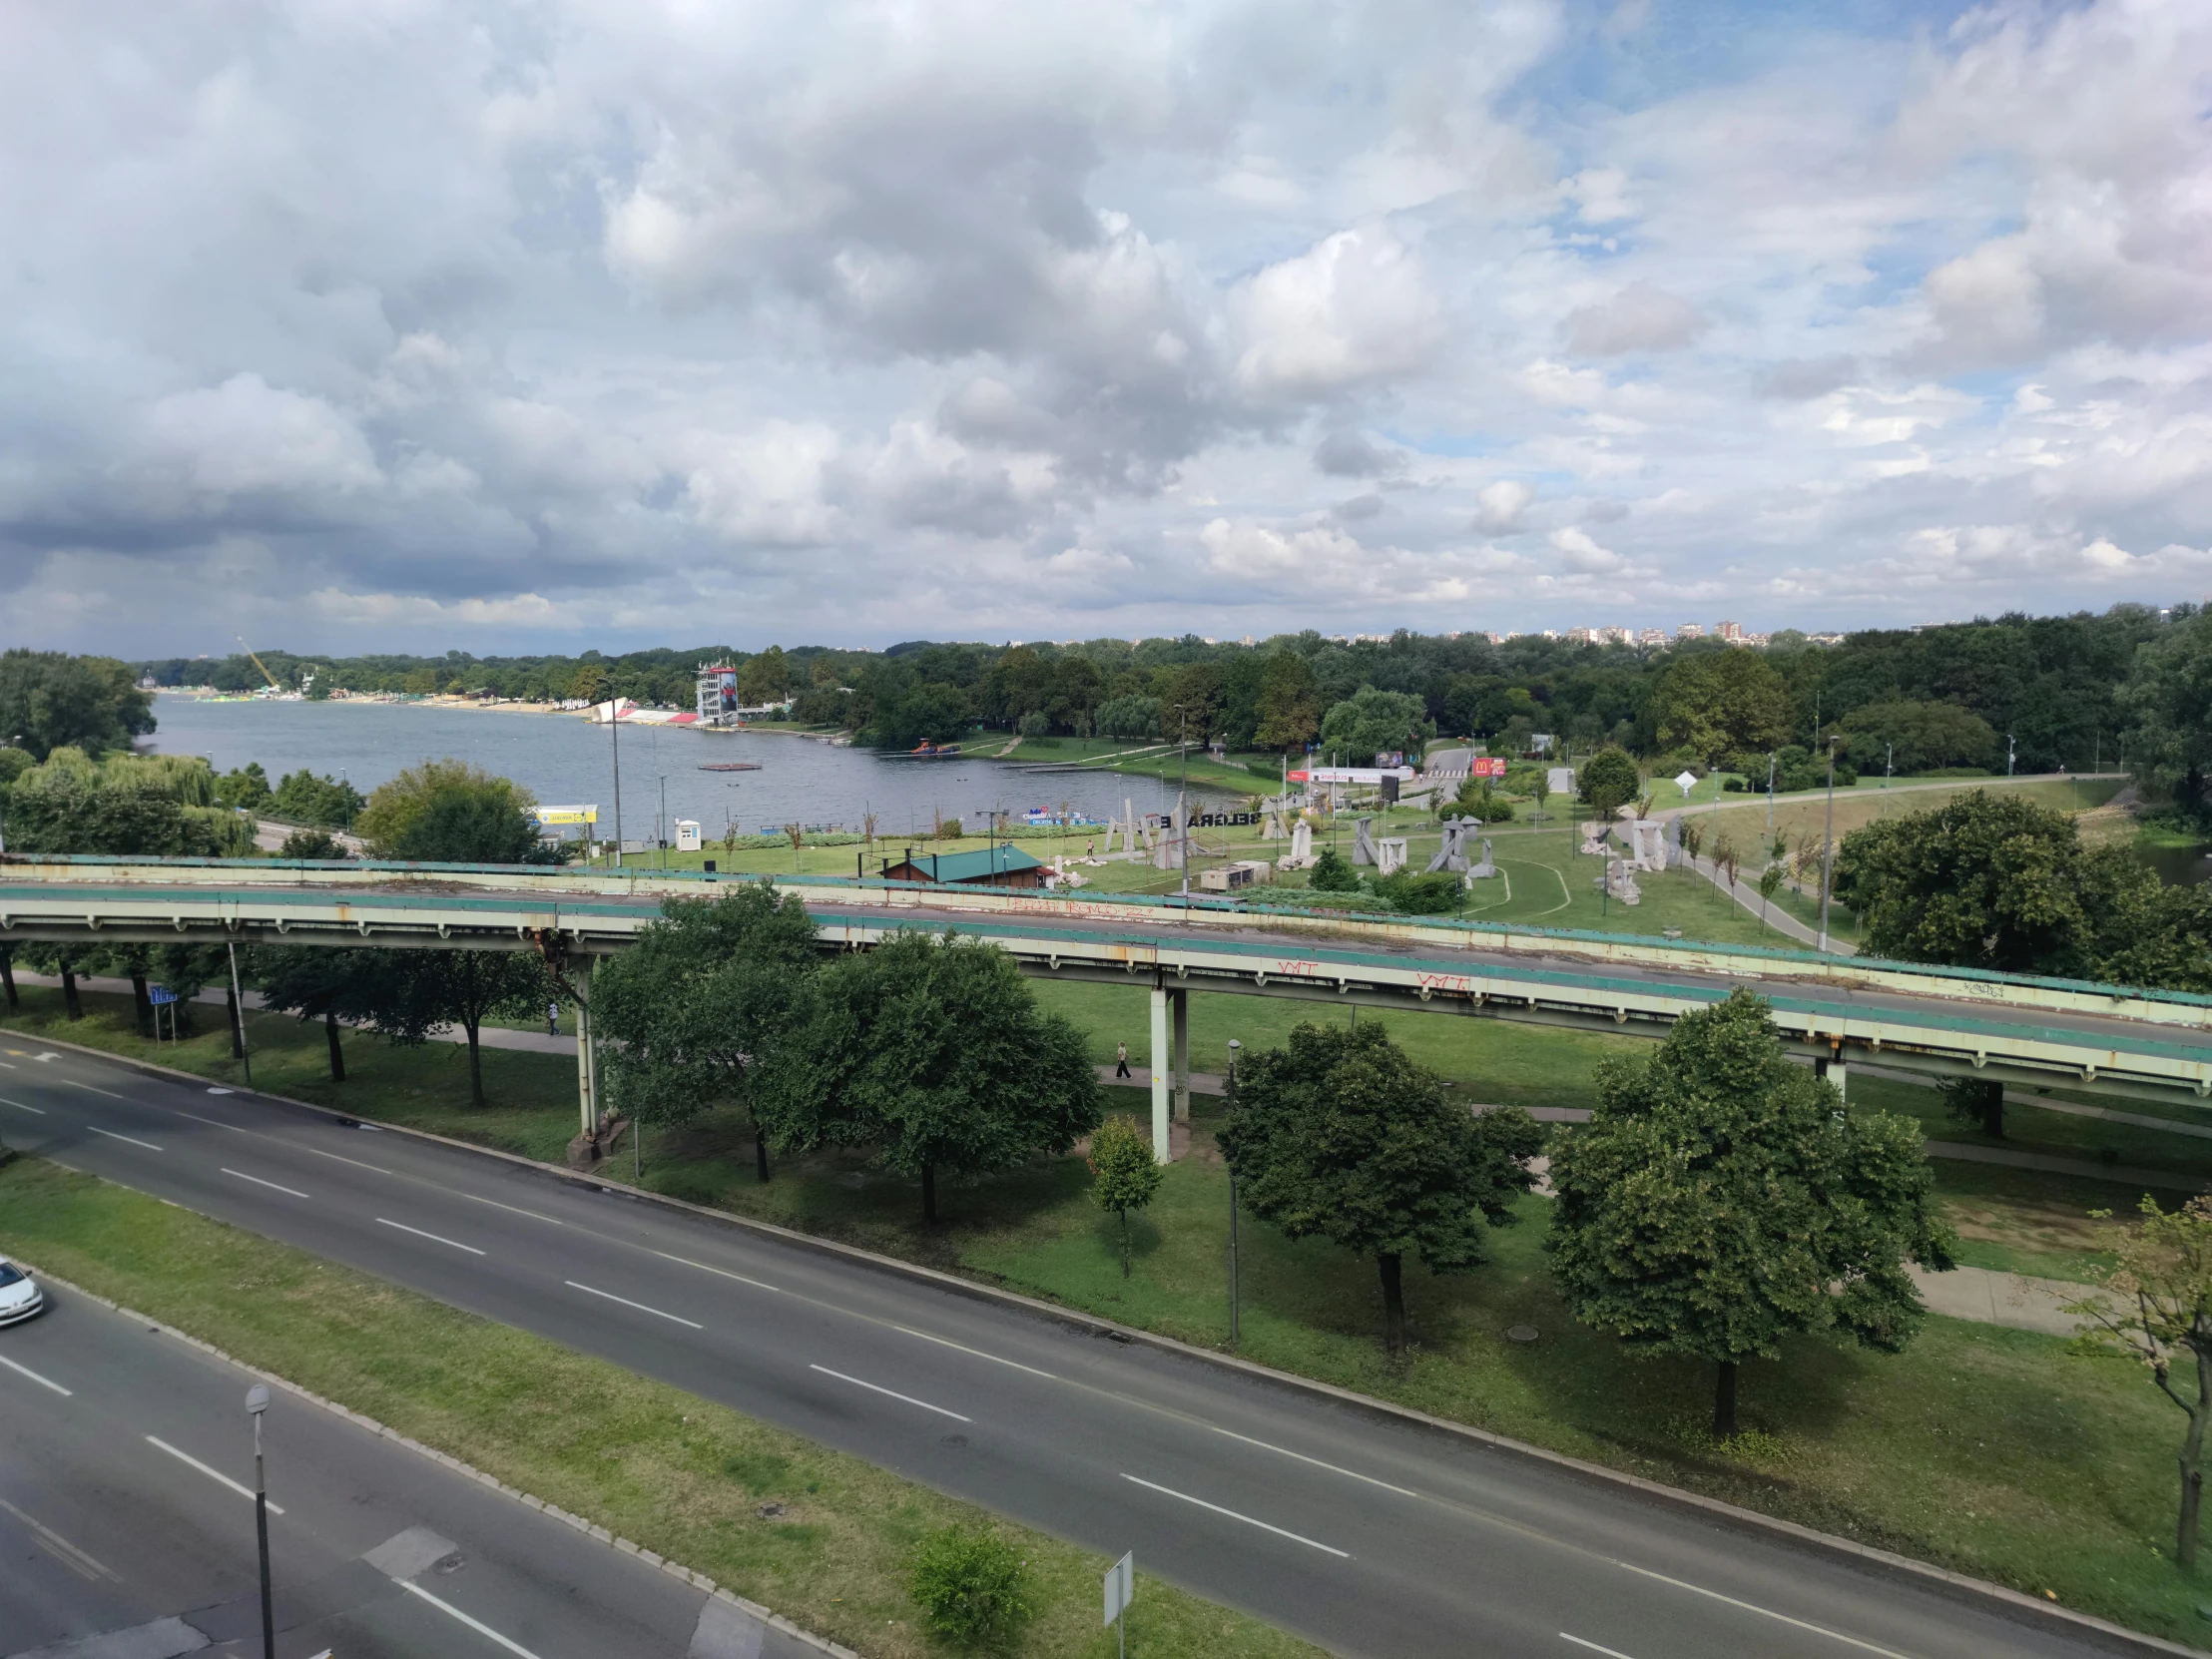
x: 674, y: 1472
x: 1992, y: 1451
x: 1989, y: 1450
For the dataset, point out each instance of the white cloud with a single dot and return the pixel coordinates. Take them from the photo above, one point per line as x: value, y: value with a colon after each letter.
x: 1355, y: 307
x: 1640, y: 318
x: 832, y: 320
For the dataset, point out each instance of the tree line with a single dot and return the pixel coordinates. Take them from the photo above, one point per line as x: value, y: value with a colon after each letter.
x: 2057, y: 693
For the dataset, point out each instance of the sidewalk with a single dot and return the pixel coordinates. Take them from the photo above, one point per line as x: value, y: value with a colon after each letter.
x: 2007, y: 1299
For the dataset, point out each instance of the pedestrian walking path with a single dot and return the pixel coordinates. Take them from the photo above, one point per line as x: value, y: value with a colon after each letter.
x: 1987, y: 1297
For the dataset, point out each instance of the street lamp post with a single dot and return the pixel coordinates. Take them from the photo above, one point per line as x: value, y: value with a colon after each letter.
x: 1770, y: 798
x: 1828, y: 841
x: 614, y: 727
x: 1228, y: 1090
x: 257, y: 1403
x: 2009, y: 748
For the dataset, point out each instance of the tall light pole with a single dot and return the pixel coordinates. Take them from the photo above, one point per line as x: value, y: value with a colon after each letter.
x: 2009, y: 746
x: 1229, y: 1089
x: 1770, y: 798
x: 257, y: 1403
x: 659, y: 825
x: 1828, y: 841
x: 614, y: 727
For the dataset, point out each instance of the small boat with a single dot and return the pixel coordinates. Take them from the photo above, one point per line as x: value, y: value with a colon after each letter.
x: 731, y: 765
x: 931, y: 751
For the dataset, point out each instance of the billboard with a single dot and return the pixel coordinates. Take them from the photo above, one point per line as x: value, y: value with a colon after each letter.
x: 1488, y: 765
x: 547, y: 817
x: 725, y: 689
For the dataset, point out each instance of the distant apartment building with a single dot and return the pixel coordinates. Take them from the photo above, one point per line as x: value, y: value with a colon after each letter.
x: 1690, y: 631
x: 1732, y: 632
x: 1652, y: 636
x: 1582, y: 636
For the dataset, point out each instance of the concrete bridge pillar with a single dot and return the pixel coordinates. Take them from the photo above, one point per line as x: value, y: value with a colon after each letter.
x: 1162, y: 1066
x: 1182, y: 1008
x: 587, y: 1061
x: 1834, y: 1069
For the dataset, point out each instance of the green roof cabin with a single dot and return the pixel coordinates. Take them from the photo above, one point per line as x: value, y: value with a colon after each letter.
x: 995, y: 867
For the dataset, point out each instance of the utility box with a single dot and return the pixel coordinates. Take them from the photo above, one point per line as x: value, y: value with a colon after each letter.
x: 1245, y: 873
x: 686, y: 835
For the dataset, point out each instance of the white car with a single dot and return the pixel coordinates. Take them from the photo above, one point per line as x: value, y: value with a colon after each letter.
x: 20, y: 1296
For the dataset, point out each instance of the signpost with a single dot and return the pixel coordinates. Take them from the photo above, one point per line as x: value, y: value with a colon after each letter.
x: 161, y: 996
x: 1121, y: 1585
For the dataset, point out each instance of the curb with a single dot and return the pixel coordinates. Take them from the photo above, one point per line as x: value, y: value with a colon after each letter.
x: 2016, y: 1602
x: 698, y: 1580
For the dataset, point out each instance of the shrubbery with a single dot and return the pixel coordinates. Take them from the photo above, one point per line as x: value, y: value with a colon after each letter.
x: 971, y: 1585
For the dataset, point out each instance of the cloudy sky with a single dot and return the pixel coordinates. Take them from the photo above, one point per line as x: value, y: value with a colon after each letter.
x: 375, y: 323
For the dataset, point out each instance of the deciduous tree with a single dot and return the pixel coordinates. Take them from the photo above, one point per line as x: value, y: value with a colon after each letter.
x: 2156, y: 1308
x: 1720, y: 1200
x: 1124, y: 1173
x: 935, y: 1054
x: 705, y: 991
x: 1721, y: 703
x: 1340, y: 1136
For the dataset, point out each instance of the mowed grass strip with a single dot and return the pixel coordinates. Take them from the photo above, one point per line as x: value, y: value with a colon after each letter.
x: 679, y: 1474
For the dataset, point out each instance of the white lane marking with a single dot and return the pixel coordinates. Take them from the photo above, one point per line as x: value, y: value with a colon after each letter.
x: 432, y: 1236
x: 1333, y: 1468
x: 1764, y: 1612
x: 219, y: 1091
x: 270, y: 1184
x: 451, y: 1612
x: 43, y: 1058
x: 725, y: 1273
x: 5, y: 1066
x: 215, y: 1475
x: 627, y: 1303
x: 110, y: 1093
x: 35, y: 1111
x: 26, y: 1371
x: 1610, y: 1653
x: 211, y: 1123
x: 891, y: 1393
x: 962, y: 1348
x: 1281, y: 1532
x: 473, y: 1199
x: 355, y: 1161
x: 113, y: 1136
x: 70, y: 1555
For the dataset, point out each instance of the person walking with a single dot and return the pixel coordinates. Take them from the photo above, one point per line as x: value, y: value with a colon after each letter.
x: 1121, y: 1060
x: 553, y: 1019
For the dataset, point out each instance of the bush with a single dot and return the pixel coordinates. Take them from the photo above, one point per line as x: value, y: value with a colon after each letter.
x: 310, y: 843
x: 1333, y: 872
x: 1421, y: 895
x: 1310, y: 898
x: 971, y: 1586
x: 1035, y: 724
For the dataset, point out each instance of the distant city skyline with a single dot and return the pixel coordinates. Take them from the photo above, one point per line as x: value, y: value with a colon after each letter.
x: 534, y: 328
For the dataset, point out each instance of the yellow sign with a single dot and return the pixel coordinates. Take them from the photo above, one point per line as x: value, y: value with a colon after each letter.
x: 567, y: 814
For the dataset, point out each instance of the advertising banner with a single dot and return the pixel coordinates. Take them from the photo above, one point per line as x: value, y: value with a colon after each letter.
x: 547, y: 817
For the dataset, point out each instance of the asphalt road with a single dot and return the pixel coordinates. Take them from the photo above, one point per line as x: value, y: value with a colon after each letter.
x: 127, y: 1527
x: 1368, y: 1536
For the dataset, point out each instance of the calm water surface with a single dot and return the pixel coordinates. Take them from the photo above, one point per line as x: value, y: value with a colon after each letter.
x: 564, y: 761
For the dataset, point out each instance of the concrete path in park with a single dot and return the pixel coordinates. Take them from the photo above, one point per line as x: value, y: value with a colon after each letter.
x: 2009, y: 1298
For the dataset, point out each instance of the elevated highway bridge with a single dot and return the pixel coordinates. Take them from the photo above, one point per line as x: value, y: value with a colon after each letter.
x: 2102, y: 1039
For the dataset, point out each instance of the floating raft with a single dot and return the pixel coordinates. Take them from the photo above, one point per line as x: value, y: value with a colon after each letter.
x: 731, y: 765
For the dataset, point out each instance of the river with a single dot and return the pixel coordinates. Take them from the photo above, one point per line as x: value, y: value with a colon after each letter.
x: 563, y: 759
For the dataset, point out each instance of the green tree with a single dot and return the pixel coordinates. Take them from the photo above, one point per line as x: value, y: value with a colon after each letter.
x: 50, y: 701
x: 1985, y: 880
x: 432, y: 989
x: 2156, y: 1308
x: 2168, y: 703
x: 323, y: 982
x: 310, y: 843
x: 935, y: 1054
x: 1370, y: 723
x: 1333, y: 872
x: 1977, y: 1101
x: 1720, y: 1200
x: 1290, y: 703
x: 244, y: 787
x: 1770, y: 883
x: 1341, y: 1136
x: 1129, y: 717
x: 764, y: 677
x: 156, y: 806
x: 449, y: 811
x: 304, y: 797
x: 703, y: 990
x: 1720, y: 703
x: 1124, y: 1173
x: 1608, y: 780
x: 1917, y: 737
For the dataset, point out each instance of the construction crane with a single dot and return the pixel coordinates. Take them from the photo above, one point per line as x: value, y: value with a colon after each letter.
x: 257, y: 663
